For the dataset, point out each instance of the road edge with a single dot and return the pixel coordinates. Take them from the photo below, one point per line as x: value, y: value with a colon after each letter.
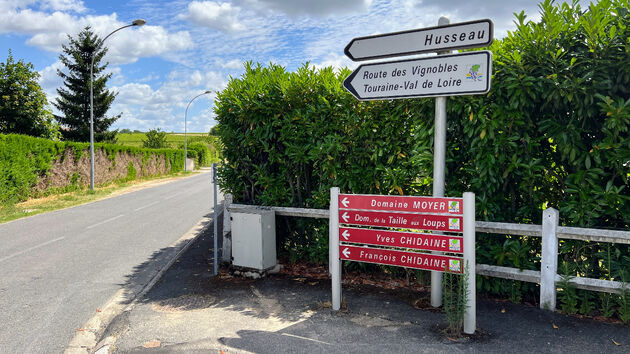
x: 88, y: 339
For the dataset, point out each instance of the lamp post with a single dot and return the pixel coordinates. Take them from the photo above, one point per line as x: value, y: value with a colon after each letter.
x: 185, y: 126
x: 138, y: 22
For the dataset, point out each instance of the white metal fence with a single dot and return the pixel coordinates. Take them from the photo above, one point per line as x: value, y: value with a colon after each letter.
x: 550, y: 232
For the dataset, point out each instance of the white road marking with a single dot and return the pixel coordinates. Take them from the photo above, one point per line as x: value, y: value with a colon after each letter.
x: 31, y: 249
x: 306, y: 338
x: 105, y: 221
x: 146, y: 206
x: 173, y: 196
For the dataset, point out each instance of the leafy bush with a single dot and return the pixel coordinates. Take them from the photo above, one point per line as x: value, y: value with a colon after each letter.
x: 199, y: 151
x: 156, y: 139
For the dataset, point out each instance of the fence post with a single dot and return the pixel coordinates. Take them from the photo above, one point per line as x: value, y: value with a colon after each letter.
x: 226, y: 255
x: 549, y: 259
x: 333, y: 244
x: 470, y: 260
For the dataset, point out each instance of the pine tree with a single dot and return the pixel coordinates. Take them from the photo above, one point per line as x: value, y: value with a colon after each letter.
x: 74, y: 100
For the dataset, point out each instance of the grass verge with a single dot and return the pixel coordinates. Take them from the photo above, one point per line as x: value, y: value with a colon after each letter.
x: 81, y: 196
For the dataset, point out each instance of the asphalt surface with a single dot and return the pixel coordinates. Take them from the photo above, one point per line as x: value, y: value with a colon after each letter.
x: 57, y: 269
x: 190, y: 311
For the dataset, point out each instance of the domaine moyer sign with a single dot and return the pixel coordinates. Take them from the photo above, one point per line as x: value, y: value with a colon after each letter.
x: 402, y: 203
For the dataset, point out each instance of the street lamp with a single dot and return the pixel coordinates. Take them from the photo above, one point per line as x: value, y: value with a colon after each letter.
x: 185, y: 124
x: 138, y: 22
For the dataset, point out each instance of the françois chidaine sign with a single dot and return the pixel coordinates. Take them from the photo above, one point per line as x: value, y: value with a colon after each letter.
x: 443, y: 75
x: 473, y: 34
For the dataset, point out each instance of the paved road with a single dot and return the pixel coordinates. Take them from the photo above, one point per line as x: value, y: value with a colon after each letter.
x: 58, y: 268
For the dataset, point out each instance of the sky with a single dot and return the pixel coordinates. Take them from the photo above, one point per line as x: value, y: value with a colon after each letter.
x: 188, y: 47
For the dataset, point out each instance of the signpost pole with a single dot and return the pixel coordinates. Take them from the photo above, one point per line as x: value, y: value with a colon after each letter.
x: 335, y: 263
x: 470, y: 314
x: 439, y: 165
x: 214, y: 220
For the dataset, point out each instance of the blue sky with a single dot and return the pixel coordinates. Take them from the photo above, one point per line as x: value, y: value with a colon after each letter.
x: 188, y: 47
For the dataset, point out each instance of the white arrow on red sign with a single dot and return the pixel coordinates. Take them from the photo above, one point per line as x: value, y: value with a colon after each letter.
x: 345, y: 217
x: 345, y: 234
x: 346, y: 252
x: 345, y: 202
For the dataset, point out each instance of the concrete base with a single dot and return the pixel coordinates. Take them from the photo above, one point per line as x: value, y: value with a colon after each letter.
x: 190, y: 164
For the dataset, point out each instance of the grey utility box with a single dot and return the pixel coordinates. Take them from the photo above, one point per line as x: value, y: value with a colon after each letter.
x: 254, y: 239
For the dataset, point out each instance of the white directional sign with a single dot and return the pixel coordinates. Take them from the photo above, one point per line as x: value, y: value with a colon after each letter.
x: 474, y: 34
x: 444, y: 75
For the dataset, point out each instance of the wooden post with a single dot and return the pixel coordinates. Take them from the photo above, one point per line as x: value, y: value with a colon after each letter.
x: 226, y: 254
x: 333, y: 244
x: 549, y: 259
x: 470, y: 314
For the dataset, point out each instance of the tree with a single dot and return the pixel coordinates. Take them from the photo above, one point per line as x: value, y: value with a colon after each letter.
x: 74, y: 100
x: 156, y: 139
x: 23, y: 107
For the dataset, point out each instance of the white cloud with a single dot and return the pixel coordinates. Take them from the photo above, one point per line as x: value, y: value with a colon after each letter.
x: 233, y: 64
x: 50, y: 31
x: 63, y: 5
x: 220, y: 16
x: 310, y: 7
x: 146, y: 108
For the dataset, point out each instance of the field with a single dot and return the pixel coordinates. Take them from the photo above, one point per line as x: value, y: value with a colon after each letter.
x: 173, y: 139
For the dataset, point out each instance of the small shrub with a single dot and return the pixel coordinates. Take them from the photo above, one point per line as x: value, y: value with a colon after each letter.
x: 156, y: 139
x: 455, y: 297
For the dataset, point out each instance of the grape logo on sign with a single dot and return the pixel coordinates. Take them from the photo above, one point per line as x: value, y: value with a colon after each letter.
x: 473, y: 73
x: 453, y: 224
x: 453, y: 207
x: 454, y: 265
x: 454, y: 245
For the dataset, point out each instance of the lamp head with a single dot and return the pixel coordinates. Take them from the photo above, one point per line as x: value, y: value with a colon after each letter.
x: 208, y: 91
x: 139, y: 22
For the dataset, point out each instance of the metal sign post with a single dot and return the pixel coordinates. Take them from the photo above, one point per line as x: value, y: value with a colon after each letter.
x: 439, y: 165
x: 214, y: 220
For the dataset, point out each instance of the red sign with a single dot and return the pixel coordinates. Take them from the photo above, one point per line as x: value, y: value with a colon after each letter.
x: 429, y: 242
x: 407, y: 221
x: 452, y: 206
x: 416, y: 260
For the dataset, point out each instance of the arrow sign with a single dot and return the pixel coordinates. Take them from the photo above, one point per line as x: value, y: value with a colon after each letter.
x: 436, y: 205
x: 474, y: 34
x: 403, y: 220
x: 403, y: 259
x: 415, y: 240
x: 444, y: 75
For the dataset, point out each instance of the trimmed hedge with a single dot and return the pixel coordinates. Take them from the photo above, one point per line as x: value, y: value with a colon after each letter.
x: 24, y: 159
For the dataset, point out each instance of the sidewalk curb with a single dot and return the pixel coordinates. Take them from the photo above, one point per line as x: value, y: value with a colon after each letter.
x: 88, y: 338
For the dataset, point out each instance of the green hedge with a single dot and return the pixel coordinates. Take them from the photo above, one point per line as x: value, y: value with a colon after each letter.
x: 24, y: 159
x: 552, y: 132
